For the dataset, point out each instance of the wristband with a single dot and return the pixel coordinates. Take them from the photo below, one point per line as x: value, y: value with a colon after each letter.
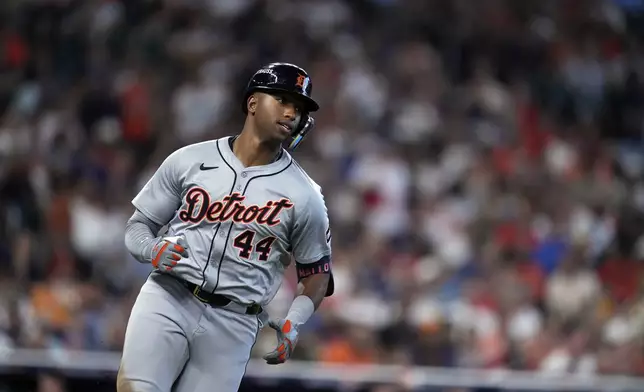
x: 301, y: 310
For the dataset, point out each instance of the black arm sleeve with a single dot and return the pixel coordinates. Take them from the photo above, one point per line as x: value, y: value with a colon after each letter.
x: 322, y: 266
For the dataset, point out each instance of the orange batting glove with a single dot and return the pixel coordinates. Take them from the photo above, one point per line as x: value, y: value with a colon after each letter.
x: 287, y: 335
x: 168, y: 251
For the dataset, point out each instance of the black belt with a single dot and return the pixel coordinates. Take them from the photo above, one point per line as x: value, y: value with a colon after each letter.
x: 216, y: 300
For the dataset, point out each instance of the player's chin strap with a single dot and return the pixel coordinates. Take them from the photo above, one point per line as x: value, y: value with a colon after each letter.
x: 305, y: 125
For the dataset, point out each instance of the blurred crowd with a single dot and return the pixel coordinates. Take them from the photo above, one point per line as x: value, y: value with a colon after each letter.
x: 482, y: 162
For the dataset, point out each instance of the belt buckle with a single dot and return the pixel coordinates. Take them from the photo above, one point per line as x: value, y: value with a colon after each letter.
x: 196, y: 292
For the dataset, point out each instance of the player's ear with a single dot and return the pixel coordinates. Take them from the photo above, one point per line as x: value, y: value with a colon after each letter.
x: 252, y: 103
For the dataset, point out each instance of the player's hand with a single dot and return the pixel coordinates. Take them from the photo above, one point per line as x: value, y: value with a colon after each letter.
x: 168, y: 251
x: 287, y: 335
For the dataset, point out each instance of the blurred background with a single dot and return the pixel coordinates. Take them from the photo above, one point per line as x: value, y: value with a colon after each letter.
x: 482, y: 162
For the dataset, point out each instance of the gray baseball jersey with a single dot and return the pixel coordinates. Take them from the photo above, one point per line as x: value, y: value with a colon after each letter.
x: 242, y: 224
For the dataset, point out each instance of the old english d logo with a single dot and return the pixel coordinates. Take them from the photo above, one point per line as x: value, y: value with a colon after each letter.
x: 300, y: 81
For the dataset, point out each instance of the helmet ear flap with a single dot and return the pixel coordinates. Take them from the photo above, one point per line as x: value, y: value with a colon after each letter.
x: 306, y: 125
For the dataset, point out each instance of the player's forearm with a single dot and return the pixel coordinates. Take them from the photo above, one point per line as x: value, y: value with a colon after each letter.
x: 140, y: 236
x: 315, y: 287
x: 310, y: 296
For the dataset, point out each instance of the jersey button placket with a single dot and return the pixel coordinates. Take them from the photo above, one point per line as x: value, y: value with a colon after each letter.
x: 244, y: 175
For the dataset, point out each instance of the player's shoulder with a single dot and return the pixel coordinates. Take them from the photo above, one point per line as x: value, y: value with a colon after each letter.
x: 194, y: 152
x: 308, y: 187
x: 208, y: 146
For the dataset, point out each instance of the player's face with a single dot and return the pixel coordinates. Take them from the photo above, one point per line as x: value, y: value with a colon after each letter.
x: 277, y: 115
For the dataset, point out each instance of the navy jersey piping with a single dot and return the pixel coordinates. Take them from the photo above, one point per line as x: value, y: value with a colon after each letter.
x: 223, y: 252
x: 212, y: 241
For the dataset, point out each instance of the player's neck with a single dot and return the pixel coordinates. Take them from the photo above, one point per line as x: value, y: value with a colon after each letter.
x: 251, y: 151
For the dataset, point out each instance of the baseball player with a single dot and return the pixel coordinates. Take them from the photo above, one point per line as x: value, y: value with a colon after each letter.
x: 236, y: 210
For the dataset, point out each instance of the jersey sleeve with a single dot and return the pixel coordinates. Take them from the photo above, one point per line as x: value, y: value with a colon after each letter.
x: 311, y: 241
x: 311, y: 238
x: 161, y: 196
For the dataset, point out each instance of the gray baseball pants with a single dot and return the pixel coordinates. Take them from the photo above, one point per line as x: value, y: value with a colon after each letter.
x: 176, y: 343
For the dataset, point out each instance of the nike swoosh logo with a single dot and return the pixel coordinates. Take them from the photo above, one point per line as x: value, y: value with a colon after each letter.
x: 202, y: 167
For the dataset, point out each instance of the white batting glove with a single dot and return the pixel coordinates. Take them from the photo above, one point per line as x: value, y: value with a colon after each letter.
x: 168, y: 251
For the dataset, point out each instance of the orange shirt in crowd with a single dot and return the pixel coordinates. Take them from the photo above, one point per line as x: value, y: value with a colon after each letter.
x: 49, y: 308
x: 341, y: 351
